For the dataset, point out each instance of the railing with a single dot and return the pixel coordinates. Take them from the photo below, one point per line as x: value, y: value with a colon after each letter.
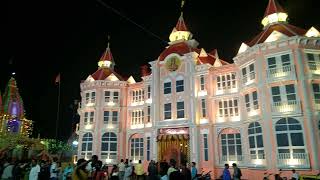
x: 231, y: 158
x: 280, y: 72
x: 314, y: 67
x: 286, y: 106
x: 290, y: 160
x: 111, y: 124
x: 248, y: 78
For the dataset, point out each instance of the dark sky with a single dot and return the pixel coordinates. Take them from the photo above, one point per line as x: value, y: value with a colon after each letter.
x: 43, y: 38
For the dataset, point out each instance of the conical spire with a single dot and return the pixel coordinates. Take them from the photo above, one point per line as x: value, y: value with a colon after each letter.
x: 106, y: 59
x: 180, y: 31
x: 274, y: 14
x: 181, y: 26
x: 273, y: 7
x: 12, y: 101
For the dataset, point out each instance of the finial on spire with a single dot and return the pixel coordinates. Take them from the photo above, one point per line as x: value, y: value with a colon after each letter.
x: 108, y: 41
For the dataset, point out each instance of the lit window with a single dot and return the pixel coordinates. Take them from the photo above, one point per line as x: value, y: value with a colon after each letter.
x: 167, y: 88
x: 290, y: 139
x: 279, y: 65
x: 251, y: 75
x: 205, y: 147
x: 115, y: 96
x: 109, y: 146
x: 137, y: 149
x: 251, y: 104
x: 228, y: 108
x: 86, y: 118
x: 179, y: 86
x: 91, y: 117
x: 231, y: 147
x: 255, y: 141
x: 87, y: 98
x: 283, y: 93
x: 202, y: 83
x: 167, y: 111
x: 180, y: 109
x: 93, y: 97
x: 137, y: 117
x: 86, y: 147
x: 226, y: 81
x: 203, y: 108
x: 313, y: 61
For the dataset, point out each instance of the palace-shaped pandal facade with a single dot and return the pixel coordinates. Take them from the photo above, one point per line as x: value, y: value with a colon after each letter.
x: 262, y: 111
x: 12, y: 115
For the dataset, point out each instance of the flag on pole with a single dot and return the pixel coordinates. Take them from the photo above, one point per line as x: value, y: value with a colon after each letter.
x: 57, y: 79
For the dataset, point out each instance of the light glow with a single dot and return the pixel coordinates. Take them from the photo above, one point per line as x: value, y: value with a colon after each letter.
x: 202, y: 93
x: 149, y: 101
x: 75, y: 143
x: 110, y: 103
x: 253, y: 113
x: 149, y: 125
x: 112, y: 77
x: 137, y: 126
x: 204, y: 121
x: 275, y: 17
x: 274, y: 36
x: 179, y: 35
x: 104, y: 63
x: 313, y: 32
x: 88, y: 126
x: 257, y: 161
x: 243, y: 48
x: 108, y: 160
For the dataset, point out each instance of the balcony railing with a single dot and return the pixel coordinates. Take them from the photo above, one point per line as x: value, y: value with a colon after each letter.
x: 286, y: 106
x: 293, y: 160
x: 248, y: 78
x: 314, y: 67
x: 227, y: 90
x: 281, y: 72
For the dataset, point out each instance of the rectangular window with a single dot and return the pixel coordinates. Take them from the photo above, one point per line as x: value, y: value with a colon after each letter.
x: 114, y: 116
x: 205, y: 147
x: 149, y: 114
x: 252, y: 73
x: 86, y: 116
x: 247, y: 101
x: 226, y: 81
x: 106, y: 117
x: 107, y: 96
x: 231, y: 147
x: 202, y: 83
x: 93, y: 97
x: 285, y: 59
x: 180, y: 109
x: 203, y: 108
x: 311, y: 61
x: 228, y: 108
x: 290, y: 90
x: 167, y: 111
x: 316, y: 93
x: 167, y: 88
x: 149, y: 92
x: 133, y: 120
x: 148, y: 148
x: 272, y: 63
x: 91, y: 117
x: 255, y: 100
x: 276, y: 96
x: 179, y: 86
x: 87, y: 98
x: 115, y: 96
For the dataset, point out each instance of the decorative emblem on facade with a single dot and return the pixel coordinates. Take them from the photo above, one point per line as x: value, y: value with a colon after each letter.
x: 173, y: 63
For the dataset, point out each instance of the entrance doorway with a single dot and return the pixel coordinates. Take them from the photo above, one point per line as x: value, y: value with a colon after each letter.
x: 175, y: 147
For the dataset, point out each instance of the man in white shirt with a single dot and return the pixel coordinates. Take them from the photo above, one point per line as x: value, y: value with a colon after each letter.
x: 122, y: 168
x: 35, y: 169
x: 295, y: 176
x: 54, y: 169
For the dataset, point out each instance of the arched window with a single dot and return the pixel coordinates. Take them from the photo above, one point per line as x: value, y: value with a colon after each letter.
x: 231, y: 149
x: 290, y: 139
x: 255, y: 141
x: 109, y: 146
x: 86, y: 147
x: 136, y: 147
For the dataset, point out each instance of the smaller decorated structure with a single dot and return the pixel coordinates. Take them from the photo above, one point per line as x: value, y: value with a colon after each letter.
x: 12, y: 115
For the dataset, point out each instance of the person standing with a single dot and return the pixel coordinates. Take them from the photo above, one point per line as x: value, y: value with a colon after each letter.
x: 226, y: 173
x: 122, y: 168
x: 152, y: 170
x: 7, y: 171
x: 194, y: 171
x: 172, y: 167
x: 67, y: 172
x: 295, y: 176
x: 236, y: 172
x: 35, y: 169
x: 138, y: 169
x: 54, y: 169
x: 128, y: 171
x: 185, y: 172
x: 80, y: 172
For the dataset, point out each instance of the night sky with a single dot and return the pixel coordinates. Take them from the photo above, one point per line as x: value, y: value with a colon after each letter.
x: 43, y: 38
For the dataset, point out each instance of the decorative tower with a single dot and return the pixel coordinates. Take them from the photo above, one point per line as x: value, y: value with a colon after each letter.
x: 13, y: 119
x: 274, y: 14
x: 106, y: 59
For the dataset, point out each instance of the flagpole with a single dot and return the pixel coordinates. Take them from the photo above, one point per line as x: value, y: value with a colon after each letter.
x: 58, y: 109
